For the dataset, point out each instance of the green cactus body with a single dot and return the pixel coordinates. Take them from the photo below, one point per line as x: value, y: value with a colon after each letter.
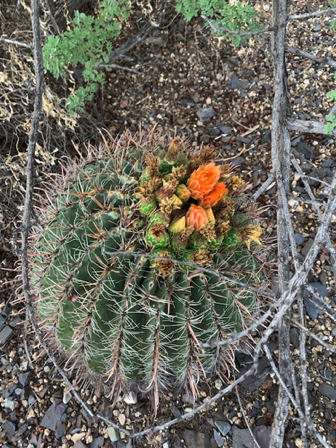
x: 118, y: 314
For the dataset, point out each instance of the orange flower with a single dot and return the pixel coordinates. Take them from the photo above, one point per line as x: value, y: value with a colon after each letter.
x: 202, y: 180
x: 215, y: 195
x: 196, y: 217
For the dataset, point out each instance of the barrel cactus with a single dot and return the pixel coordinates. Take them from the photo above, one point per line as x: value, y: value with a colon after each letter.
x: 124, y: 268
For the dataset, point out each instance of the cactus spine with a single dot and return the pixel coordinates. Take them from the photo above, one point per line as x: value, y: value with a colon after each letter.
x: 128, y: 317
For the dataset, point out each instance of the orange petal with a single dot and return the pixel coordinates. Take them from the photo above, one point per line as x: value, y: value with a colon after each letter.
x: 202, y: 180
x: 215, y: 195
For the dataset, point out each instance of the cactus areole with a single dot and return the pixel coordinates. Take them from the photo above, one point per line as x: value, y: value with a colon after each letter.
x: 112, y: 306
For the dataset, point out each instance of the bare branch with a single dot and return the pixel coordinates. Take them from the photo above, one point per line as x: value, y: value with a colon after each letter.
x: 326, y: 60
x: 262, y: 188
x: 308, y: 15
x: 306, y: 126
x: 330, y: 247
x: 311, y: 426
x: 203, y: 406
x: 15, y: 42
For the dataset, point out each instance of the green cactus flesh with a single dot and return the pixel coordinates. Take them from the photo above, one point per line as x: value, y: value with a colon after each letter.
x: 117, y: 313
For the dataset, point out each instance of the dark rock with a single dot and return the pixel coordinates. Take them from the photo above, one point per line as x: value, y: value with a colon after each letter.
x: 252, y: 382
x: 320, y: 288
x: 205, y: 139
x: 206, y: 114
x: 23, y: 377
x: 54, y: 417
x: 2, y: 321
x: 218, y: 438
x: 215, y: 132
x: 237, y: 161
x: 235, y: 84
x: 307, y: 246
x: 294, y: 337
x: 327, y: 391
x: 299, y: 239
x: 5, y: 334
x: 196, y: 439
x: 186, y: 102
x: 225, y: 129
x: 306, y: 150
x: 241, y: 438
x: 234, y: 61
x: 9, y: 428
x: 299, y: 100
x: 263, y: 436
x: 243, y: 140
x: 97, y: 442
x: 266, y: 137
x: 224, y: 427
x: 311, y: 308
x: 317, y: 28
x: 328, y: 163
x: 175, y: 411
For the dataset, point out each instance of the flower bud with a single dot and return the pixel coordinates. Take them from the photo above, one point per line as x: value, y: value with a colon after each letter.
x: 178, y: 225
x: 196, y: 217
x: 183, y: 192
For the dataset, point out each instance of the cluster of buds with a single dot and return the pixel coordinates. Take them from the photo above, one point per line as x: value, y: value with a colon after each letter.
x: 190, y: 206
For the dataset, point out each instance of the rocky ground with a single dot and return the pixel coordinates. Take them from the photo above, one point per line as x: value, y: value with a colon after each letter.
x: 202, y: 87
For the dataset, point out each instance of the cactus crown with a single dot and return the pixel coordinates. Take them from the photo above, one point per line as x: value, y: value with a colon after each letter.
x: 127, y: 318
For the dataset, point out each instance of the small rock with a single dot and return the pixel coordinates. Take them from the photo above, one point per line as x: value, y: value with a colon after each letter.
x: 187, y: 102
x: 130, y: 398
x: 243, y: 140
x: 307, y: 246
x: 9, y: 404
x: 122, y: 419
x: 224, y: 427
x: 317, y: 28
x: 165, y: 445
x: 18, y: 391
x: 23, y: 378
x: 79, y: 444
x: 53, y: 416
x: 266, y: 137
x: 237, y: 161
x: 327, y: 391
x: 328, y: 163
x: 241, y: 438
x: 320, y: 288
x: 78, y: 436
x: 9, y: 428
x: 196, y: 439
x: 225, y: 129
x: 312, y: 310
x: 215, y: 132
x: 218, y: 438
x: 98, y: 442
x: 306, y: 150
x: 218, y: 384
x: 5, y: 334
x: 2, y: 321
x: 235, y: 84
x: 206, y: 114
x: 66, y: 396
x: 113, y: 434
x: 176, y: 412
x: 205, y: 139
x: 299, y: 239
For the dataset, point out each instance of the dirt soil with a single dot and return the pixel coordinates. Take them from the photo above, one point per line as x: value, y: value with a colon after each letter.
x: 193, y: 84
